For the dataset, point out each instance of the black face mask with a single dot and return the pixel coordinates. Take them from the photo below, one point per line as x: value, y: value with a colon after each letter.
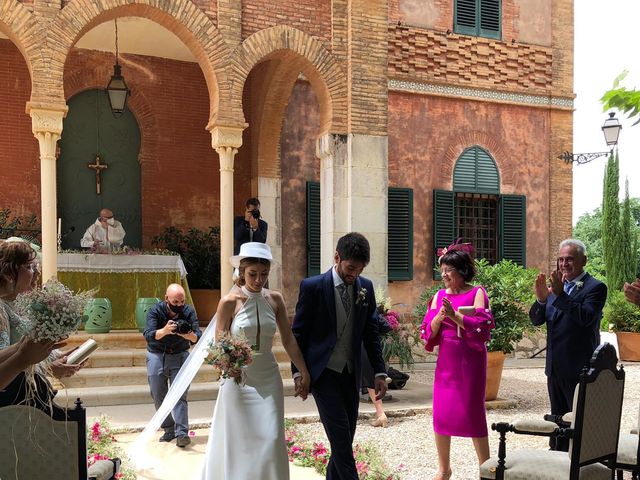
x: 175, y: 308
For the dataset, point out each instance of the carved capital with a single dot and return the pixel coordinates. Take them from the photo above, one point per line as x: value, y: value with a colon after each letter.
x: 226, y: 154
x: 46, y: 125
x: 326, y: 145
x: 222, y: 136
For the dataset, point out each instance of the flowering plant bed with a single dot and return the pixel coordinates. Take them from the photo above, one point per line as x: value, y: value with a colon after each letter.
x: 316, y: 455
x: 102, y: 445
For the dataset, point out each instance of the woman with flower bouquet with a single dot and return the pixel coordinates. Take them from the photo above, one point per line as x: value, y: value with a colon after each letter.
x: 247, y: 431
x: 45, y: 315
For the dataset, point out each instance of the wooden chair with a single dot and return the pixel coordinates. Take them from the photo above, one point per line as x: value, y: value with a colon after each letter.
x: 629, y: 453
x: 47, y: 444
x: 593, y: 431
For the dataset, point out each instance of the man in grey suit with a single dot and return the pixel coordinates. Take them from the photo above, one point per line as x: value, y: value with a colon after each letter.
x: 335, y: 317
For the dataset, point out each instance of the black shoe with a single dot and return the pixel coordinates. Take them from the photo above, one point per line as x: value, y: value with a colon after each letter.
x: 183, y: 441
x: 167, y: 437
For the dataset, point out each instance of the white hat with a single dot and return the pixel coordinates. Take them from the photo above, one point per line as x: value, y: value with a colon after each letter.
x: 252, y: 250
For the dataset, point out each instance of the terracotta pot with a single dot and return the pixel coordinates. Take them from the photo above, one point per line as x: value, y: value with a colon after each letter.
x: 495, y: 362
x: 205, y: 302
x: 629, y: 346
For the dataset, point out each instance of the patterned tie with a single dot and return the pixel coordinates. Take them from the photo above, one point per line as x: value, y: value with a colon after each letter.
x: 346, y: 299
x: 568, y: 286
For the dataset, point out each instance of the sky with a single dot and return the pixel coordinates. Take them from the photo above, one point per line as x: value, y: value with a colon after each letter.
x: 607, y: 42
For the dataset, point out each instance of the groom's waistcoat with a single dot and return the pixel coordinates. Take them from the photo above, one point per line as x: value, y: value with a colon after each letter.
x: 343, y: 352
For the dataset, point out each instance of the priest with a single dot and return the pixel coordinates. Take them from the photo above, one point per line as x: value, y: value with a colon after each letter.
x: 104, y: 234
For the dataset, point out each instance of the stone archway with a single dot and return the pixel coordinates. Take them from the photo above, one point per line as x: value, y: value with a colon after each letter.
x: 320, y: 67
x: 182, y: 17
x: 283, y: 53
x: 22, y: 29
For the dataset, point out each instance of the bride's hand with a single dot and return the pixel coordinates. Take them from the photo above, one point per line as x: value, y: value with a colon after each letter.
x: 302, y: 386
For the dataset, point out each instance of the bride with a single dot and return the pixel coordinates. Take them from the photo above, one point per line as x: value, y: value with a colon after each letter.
x: 247, y: 430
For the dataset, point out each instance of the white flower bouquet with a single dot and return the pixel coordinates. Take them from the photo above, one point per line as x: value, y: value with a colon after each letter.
x: 52, y: 312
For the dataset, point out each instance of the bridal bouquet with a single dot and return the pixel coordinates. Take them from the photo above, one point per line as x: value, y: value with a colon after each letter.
x: 229, y: 355
x: 52, y: 312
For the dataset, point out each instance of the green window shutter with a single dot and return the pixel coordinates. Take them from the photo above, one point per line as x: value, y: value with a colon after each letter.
x: 490, y: 18
x: 476, y: 172
x: 513, y: 223
x: 400, y: 230
x: 313, y: 228
x: 465, y: 17
x: 443, y: 224
x: 478, y: 17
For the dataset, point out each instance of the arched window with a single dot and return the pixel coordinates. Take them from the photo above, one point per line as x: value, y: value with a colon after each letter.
x: 476, y: 212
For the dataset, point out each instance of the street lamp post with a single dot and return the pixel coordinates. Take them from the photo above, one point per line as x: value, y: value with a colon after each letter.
x: 611, y: 130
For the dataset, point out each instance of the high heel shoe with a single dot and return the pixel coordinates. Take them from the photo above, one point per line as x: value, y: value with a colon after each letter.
x: 381, y: 421
x: 443, y: 475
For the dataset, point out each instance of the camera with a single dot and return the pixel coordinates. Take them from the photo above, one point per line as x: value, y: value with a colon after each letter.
x: 255, y: 213
x: 183, y: 326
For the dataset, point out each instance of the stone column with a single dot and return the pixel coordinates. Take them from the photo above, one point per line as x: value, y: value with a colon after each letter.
x: 269, y: 194
x: 226, y: 141
x: 353, y: 196
x: 46, y: 125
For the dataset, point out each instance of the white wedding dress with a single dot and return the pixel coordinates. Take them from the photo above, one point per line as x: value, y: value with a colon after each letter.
x: 247, y: 440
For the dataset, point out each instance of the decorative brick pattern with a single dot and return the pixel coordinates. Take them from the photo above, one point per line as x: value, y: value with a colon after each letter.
x: 431, y: 56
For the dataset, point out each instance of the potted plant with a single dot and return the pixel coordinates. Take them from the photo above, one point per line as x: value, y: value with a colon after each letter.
x: 510, y: 290
x: 398, y: 342
x: 200, y: 252
x: 623, y: 318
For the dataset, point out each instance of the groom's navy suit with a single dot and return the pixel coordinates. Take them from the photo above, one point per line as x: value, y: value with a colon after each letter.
x: 573, y: 333
x: 315, y: 327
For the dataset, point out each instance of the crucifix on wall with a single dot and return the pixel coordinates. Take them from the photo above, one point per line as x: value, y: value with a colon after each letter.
x: 98, y: 167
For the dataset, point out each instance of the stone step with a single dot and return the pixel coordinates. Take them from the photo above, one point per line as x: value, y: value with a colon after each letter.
x: 139, y: 394
x: 137, y: 357
x: 123, y: 339
x: 137, y: 375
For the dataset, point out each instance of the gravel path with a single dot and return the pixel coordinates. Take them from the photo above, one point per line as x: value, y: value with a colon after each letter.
x: 409, y: 441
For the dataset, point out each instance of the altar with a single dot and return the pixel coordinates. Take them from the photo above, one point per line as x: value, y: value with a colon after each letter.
x: 122, y: 279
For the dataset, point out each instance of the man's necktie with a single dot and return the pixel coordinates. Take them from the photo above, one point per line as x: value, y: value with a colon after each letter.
x: 568, y: 286
x: 346, y: 299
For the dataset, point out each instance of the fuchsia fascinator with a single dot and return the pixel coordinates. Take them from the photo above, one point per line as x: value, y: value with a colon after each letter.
x: 457, y: 245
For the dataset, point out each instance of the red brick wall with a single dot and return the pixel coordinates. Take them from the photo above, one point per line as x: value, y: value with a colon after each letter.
x: 19, y: 154
x: 423, y: 133
x: 180, y: 170
x: 310, y: 16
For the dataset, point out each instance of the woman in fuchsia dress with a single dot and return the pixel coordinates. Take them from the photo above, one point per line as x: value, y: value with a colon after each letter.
x: 461, y: 368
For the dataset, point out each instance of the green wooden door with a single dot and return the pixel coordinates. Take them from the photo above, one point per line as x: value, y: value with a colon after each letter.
x: 90, y: 128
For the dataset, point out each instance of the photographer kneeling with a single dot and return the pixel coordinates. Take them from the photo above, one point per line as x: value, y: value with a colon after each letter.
x: 172, y: 327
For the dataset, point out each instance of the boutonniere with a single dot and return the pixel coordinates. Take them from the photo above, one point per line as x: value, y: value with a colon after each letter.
x: 579, y: 285
x: 362, y: 294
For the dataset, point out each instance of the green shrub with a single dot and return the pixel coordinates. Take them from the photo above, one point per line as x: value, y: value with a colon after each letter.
x: 623, y: 315
x: 200, y: 252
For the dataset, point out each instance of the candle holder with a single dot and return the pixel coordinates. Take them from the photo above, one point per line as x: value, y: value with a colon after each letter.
x: 59, y: 243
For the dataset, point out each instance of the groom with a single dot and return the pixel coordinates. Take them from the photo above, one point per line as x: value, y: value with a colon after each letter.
x: 334, y: 318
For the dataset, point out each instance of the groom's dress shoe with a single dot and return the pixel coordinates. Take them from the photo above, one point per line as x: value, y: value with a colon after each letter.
x: 183, y: 441
x: 167, y: 437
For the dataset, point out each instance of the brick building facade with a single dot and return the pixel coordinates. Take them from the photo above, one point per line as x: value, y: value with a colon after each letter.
x: 360, y: 96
